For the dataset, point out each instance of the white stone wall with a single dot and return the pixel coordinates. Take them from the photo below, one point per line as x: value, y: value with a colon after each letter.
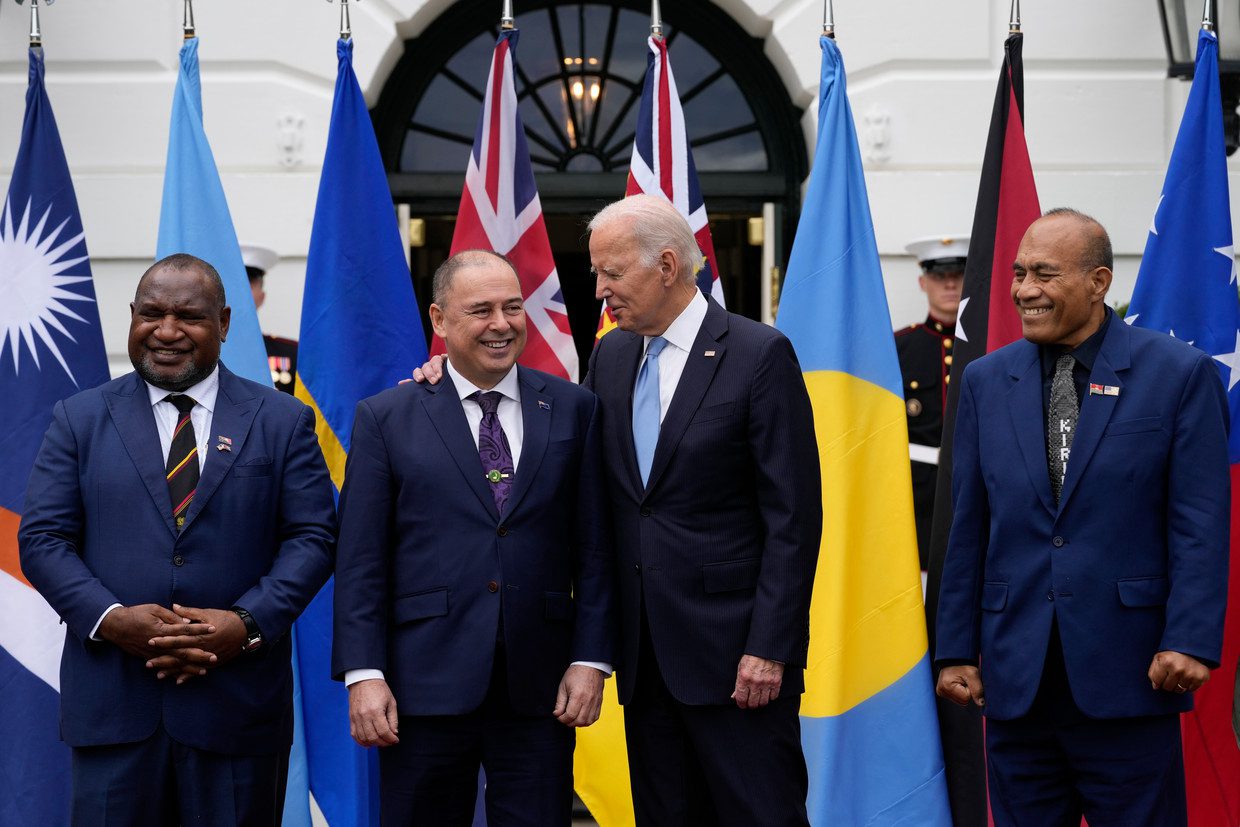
x: 1100, y: 115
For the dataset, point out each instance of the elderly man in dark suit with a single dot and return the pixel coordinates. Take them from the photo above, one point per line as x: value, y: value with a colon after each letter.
x: 178, y: 519
x: 474, y: 594
x: 1086, y: 575
x: 716, y: 496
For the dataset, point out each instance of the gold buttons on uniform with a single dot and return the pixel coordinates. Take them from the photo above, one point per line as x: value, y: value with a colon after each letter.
x: 947, y: 343
x: 947, y: 378
x: 914, y: 384
x: 947, y: 360
x: 914, y: 407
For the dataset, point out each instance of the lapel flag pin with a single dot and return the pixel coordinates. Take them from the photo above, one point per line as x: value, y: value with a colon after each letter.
x: 1102, y: 390
x: 543, y: 405
x: 224, y: 444
x: 224, y: 440
x: 709, y: 353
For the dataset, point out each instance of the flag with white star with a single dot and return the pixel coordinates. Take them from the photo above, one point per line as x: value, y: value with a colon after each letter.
x: 1187, y: 288
x: 51, y: 347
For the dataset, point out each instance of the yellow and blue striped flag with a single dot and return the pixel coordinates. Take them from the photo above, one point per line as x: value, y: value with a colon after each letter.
x: 361, y: 332
x: 868, y: 721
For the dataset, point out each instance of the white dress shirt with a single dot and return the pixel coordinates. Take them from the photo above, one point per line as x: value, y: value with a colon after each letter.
x: 509, y: 413
x: 166, y: 416
x: 680, y: 335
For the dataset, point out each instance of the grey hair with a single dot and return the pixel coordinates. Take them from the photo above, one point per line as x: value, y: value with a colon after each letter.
x: 1098, y: 251
x: 441, y: 282
x: 185, y: 261
x: 657, y: 226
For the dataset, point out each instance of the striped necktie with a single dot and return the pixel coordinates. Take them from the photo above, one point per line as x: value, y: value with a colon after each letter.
x: 182, y: 469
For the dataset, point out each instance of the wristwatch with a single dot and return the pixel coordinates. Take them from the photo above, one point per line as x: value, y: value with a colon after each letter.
x: 253, y: 635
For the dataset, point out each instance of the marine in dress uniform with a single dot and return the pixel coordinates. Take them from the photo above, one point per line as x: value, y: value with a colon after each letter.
x: 281, y: 352
x: 925, y: 351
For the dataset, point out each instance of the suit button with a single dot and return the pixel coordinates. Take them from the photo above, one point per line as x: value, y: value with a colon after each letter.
x: 178, y: 560
x: 492, y: 587
x: 1050, y: 595
x: 1057, y: 542
x: 502, y: 531
x: 645, y: 511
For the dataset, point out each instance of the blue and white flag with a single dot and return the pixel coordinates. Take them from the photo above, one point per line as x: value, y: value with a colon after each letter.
x: 1187, y: 288
x: 194, y: 219
x: 51, y: 346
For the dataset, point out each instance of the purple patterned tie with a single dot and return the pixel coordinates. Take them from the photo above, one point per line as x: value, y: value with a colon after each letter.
x: 493, y: 448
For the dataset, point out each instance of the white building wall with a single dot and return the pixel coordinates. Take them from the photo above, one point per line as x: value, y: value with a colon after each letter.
x: 1100, y: 114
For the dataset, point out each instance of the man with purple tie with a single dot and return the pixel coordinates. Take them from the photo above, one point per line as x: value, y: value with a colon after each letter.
x: 474, y: 615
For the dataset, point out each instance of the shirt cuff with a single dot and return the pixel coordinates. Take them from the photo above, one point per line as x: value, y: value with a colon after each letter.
x: 601, y: 666
x: 353, y: 676
x: 94, y: 633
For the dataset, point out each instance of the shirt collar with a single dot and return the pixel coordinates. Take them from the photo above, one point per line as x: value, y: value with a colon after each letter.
x: 1085, y: 354
x: 682, y: 332
x: 203, y: 393
x: 508, y: 386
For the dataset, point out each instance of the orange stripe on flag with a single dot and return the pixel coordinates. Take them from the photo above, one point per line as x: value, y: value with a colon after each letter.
x: 8, y: 545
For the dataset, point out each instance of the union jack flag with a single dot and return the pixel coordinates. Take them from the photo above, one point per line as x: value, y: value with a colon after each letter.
x: 500, y: 211
x: 662, y: 164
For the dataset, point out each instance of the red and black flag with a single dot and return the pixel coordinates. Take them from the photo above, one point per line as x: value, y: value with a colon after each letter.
x: 1007, y: 203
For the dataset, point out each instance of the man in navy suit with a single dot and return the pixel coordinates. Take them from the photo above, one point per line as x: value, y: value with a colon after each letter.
x: 178, y: 519
x: 474, y: 617
x: 716, y: 496
x: 1085, y: 582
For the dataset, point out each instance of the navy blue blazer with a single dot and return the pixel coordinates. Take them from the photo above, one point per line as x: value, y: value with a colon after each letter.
x: 721, y: 545
x: 426, y: 561
x: 97, y: 529
x: 1132, y: 561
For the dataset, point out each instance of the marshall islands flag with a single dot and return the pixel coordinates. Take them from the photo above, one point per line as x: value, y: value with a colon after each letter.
x: 868, y: 721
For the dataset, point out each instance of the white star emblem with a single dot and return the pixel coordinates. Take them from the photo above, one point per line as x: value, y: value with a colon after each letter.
x: 32, y: 283
x: 960, y: 319
x: 1132, y: 318
x: 1173, y: 336
x: 1154, y: 217
x: 1230, y: 252
x: 1232, y: 361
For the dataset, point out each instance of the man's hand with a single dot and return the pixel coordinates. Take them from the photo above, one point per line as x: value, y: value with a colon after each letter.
x: 431, y: 372
x: 133, y: 627
x: 757, y: 681
x: 372, y: 714
x: 961, y: 684
x: 580, y: 696
x: 1177, y: 672
x: 187, y: 656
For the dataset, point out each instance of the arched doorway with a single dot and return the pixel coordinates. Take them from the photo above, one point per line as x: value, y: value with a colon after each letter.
x: 580, y: 67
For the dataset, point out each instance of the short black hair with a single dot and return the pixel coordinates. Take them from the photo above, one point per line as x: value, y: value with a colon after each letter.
x: 441, y: 282
x: 185, y: 261
x: 1098, y: 251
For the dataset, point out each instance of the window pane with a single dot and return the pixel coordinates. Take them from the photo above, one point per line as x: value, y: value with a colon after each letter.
x: 715, y: 109
x: 690, y: 63
x: 742, y: 153
x: 447, y: 107
x: 428, y: 153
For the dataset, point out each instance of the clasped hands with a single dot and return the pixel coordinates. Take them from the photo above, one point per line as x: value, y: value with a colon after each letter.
x: 181, y: 642
x: 1169, y: 671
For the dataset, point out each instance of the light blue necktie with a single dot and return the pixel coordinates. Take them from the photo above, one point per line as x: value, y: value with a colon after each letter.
x: 646, y: 408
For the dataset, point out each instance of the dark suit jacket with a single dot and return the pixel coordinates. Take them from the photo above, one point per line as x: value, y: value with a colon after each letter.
x: 426, y: 562
x: 720, y: 547
x: 97, y: 530
x: 1132, y: 561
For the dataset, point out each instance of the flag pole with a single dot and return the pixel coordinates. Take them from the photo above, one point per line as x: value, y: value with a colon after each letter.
x: 828, y: 19
x: 36, y: 32
x: 1014, y: 18
x: 346, y: 23
x: 187, y: 21
x: 507, y: 22
x: 1206, y: 22
x: 656, y: 20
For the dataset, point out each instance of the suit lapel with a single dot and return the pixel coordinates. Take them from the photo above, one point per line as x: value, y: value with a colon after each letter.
x: 536, y: 412
x: 130, y: 409
x: 1029, y: 423
x: 627, y: 359
x: 1096, y: 409
x: 443, y: 407
x: 235, y: 408
x: 696, y: 378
